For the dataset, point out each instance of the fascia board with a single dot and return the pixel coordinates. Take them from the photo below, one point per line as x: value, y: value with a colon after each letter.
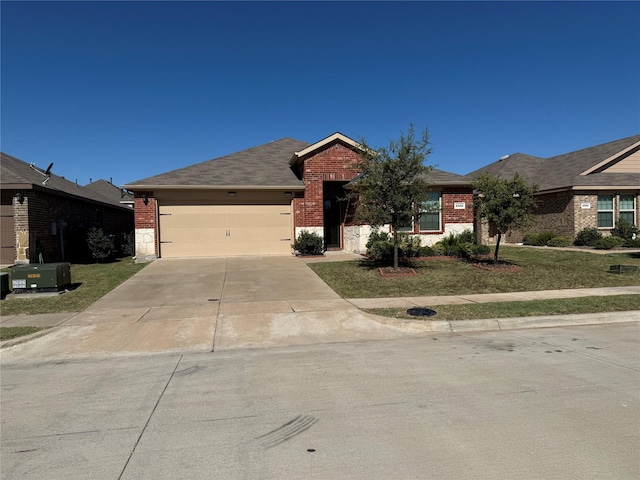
x: 611, y: 158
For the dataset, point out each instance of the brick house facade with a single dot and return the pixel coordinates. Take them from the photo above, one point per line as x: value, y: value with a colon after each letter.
x: 588, y: 188
x: 305, y: 180
x: 49, y: 222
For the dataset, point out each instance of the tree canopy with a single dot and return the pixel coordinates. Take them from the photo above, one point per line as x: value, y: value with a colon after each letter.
x: 392, y: 182
x: 506, y: 204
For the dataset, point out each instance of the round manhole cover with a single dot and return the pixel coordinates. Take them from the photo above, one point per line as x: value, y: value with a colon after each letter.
x: 421, y: 312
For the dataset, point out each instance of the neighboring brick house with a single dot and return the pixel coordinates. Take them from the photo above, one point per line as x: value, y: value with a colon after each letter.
x: 592, y: 187
x: 256, y: 202
x: 46, y: 217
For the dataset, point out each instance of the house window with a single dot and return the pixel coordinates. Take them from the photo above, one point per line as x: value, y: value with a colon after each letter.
x: 430, y: 218
x: 406, y: 227
x: 627, y: 208
x: 605, y: 211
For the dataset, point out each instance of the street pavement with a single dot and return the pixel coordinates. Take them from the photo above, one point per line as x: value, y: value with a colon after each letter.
x: 216, y: 304
x: 558, y: 403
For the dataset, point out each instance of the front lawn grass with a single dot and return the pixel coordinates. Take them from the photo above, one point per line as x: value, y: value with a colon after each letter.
x: 7, y: 333
x: 564, y: 306
x: 541, y: 269
x: 89, y: 283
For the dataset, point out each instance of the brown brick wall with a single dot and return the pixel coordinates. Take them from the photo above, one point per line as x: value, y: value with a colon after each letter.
x: 56, y: 226
x: 333, y: 163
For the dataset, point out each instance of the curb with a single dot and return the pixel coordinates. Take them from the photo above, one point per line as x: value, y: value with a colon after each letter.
x: 514, y: 323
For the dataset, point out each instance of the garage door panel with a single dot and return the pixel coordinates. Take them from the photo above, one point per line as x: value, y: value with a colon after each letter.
x: 220, y: 230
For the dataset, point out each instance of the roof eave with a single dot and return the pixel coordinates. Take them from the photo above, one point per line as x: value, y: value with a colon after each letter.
x: 214, y: 187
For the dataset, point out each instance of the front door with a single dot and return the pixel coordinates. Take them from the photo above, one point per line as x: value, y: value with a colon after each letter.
x: 333, y: 209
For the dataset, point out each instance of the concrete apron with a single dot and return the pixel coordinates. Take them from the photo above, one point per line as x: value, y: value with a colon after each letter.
x: 205, y: 304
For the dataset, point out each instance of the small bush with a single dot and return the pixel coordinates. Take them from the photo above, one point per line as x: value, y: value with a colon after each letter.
x: 380, y: 250
x: 587, y: 237
x: 100, y: 245
x: 450, y: 245
x: 624, y: 229
x: 426, y: 252
x: 607, y: 243
x: 466, y: 236
x: 559, y: 242
x: 409, y: 246
x: 128, y: 245
x: 309, y: 243
x: 378, y: 236
x: 481, y: 249
x: 538, y: 239
x: 632, y: 243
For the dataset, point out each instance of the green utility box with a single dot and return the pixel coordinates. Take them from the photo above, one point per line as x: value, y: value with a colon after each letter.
x: 41, y: 277
x: 4, y: 284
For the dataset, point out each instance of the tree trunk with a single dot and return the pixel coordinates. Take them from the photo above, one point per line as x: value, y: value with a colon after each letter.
x: 395, y: 248
x: 495, y: 253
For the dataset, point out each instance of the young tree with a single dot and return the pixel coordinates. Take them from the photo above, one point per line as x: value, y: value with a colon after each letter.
x: 507, y: 204
x: 392, y: 183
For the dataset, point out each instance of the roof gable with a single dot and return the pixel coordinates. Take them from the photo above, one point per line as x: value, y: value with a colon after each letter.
x: 297, y: 157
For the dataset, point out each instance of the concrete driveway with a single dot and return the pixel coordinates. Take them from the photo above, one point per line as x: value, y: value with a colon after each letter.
x: 205, y: 304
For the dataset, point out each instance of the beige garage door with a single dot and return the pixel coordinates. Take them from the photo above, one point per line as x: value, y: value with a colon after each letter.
x: 221, y: 230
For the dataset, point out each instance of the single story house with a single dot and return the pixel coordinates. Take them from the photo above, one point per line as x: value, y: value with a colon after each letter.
x: 256, y: 202
x: 592, y: 187
x: 46, y: 217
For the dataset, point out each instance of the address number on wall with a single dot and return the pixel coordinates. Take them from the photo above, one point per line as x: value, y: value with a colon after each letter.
x: 459, y: 205
x: 585, y: 205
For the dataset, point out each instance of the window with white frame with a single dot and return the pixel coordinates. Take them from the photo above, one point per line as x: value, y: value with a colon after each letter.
x: 628, y: 208
x: 605, y: 211
x: 430, y: 213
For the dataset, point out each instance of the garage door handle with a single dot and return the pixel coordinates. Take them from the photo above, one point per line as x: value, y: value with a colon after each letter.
x: 285, y: 239
x: 166, y: 241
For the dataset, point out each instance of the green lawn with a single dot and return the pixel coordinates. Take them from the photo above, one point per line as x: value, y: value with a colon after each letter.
x: 7, y: 333
x: 89, y: 283
x: 614, y: 303
x: 541, y: 269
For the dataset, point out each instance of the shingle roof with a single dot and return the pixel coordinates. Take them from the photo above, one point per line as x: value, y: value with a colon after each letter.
x: 264, y: 166
x: 110, y: 192
x: 440, y: 177
x: 564, y: 171
x: 15, y: 173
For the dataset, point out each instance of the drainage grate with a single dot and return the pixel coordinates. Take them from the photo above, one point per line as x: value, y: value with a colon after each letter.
x: 421, y: 312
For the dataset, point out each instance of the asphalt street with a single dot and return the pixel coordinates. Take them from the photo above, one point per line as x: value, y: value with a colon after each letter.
x: 558, y: 403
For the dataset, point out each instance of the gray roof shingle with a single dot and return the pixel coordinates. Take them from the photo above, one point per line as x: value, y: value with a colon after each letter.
x: 16, y: 173
x: 264, y: 166
x: 564, y: 171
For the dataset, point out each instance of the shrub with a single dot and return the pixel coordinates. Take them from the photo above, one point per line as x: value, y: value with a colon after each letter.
x: 426, y: 252
x: 587, y: 237
x: 632, y: 243
x: 309, y: 243
x: 624, y: 229
x: 409, y: 246
x: 378, y: 236
x: 607, y: 243
x: 466, y: 236
x: 480, y: 249
x: 449, y: 245
x: 100, y: 245
x: 559, y: 242
x: 380, y: 250
x: 538, y: 239
x: 128, y: 245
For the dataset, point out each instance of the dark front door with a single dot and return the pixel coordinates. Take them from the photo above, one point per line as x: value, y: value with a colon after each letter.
x: 333, y: 208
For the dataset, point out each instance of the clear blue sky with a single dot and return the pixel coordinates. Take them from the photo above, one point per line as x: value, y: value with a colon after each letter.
x: 132, y: 89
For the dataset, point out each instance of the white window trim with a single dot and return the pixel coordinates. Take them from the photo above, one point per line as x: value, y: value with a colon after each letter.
x: 613, y: 210
x: 633, y: 210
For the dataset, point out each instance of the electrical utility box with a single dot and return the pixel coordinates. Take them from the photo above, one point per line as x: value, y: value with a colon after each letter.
x: 40, y: 277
